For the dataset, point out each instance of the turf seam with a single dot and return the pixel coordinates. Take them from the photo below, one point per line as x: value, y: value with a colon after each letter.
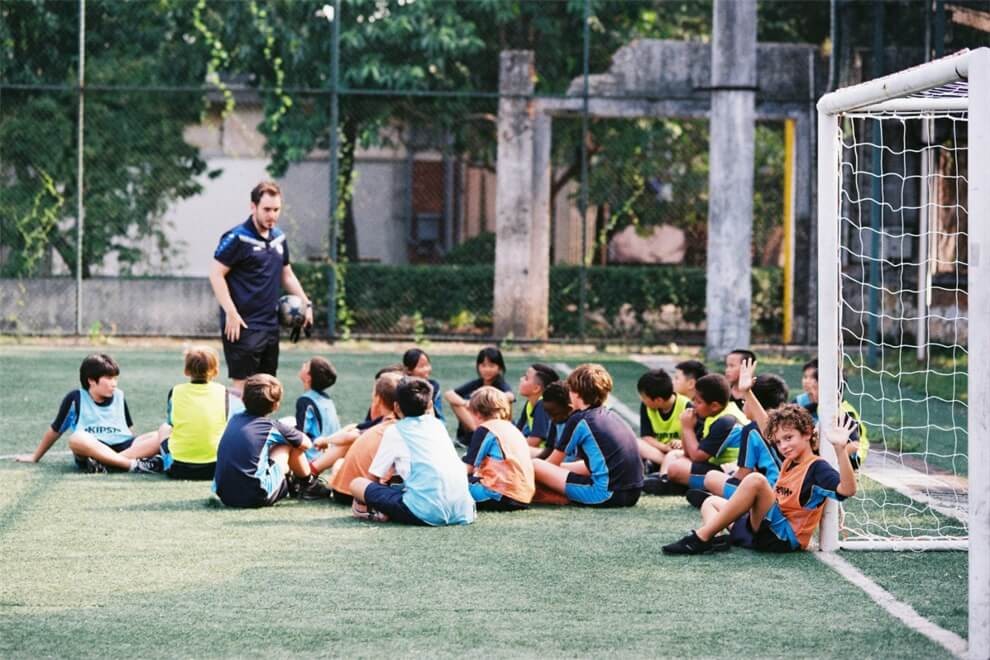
x: 10, y: 514
x: 900, y: 610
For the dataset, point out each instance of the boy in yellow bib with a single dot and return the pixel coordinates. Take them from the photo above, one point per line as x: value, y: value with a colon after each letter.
x: 196, y: 416
x: 659, y: 415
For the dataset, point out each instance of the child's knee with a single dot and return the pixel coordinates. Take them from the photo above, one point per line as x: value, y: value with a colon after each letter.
x: 679, y: 469
x: 79, y: 441
x: 755, y: 480
x: 714, y: 481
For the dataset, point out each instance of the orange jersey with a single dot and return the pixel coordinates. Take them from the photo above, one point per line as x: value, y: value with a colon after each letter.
x: 359, y: 457
x: 802, y: 518
x: 512, y: 476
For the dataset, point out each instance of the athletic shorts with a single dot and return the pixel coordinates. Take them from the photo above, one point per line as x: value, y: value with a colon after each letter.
x: 82, y: 462
x: 388, y: 500
x: 698, y: 472
x: 255, y: 352
x: 182, y: 470
x: 775, y: 533
x: 487, y: 499
x: 581, y: 490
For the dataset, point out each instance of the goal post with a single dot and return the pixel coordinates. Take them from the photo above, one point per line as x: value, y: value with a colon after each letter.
x: 904, y: 264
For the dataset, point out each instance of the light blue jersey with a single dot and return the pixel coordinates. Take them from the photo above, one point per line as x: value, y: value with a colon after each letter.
x: 108, y: 424
x: 316, y: 416
x: 436, y: 490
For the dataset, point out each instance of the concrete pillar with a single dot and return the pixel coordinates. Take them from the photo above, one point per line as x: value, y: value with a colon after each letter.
x: 522, y: 201
x: 730, y: 182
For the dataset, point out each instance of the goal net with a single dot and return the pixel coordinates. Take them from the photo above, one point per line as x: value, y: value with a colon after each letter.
x: 903, y: 302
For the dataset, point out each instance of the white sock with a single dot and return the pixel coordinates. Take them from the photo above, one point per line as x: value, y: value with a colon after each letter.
x: 133, y: 467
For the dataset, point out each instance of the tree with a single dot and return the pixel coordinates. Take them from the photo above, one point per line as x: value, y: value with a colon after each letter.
x: 136, y: 161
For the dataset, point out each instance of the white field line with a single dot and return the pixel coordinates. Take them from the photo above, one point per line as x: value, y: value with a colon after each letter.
x: 948, y: 640
x: 906, y: 614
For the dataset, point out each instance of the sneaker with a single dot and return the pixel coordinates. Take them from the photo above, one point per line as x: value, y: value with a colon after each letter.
x: 662, y: 485
x: 696, y: 497
x: 690, y: 545
x: 721, y: 543
x: 312, y: 489
x: 95, y: 467
x: 151, y: 465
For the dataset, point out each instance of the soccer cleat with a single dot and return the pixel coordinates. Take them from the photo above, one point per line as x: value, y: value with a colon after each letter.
x: 696, y: 497
x: 151, y: 465
x: 312, y: 489
x: 690, y: 545
x: 721, y: 543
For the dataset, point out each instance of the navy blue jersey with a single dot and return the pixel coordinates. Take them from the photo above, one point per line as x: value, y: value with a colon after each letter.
x: 437, y: 399
x: 607, y: 445
x: 821, y: 482
x: 717, y: 434
x: 68, y: 412
x: 534, y: 422
x: 242, y: 457
x: 474, y: 444
x: 805, y: 402
x: 255, y: 277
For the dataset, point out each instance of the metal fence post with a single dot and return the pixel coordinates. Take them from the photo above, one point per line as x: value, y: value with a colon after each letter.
x: 334, y: 148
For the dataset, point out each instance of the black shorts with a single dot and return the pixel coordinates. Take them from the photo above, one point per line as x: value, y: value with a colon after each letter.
x: 619, y: 498
x: 255, y: 352
x: 702, y: 468
x: 764, y: 540
x: 82, y: 462
x: 191, y: 471
x: 341, y: 498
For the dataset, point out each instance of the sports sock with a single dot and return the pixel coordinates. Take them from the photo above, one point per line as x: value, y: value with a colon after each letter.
x: 133, y: 467
x: 314, y: 470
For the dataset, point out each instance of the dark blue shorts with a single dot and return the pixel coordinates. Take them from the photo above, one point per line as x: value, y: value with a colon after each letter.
x: 388, y: 500
x: 82, y: 462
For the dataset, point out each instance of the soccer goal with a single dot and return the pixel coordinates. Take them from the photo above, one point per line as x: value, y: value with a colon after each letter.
x: 904, y: 309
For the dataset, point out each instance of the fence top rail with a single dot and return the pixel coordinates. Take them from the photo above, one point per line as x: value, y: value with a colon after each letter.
x: 901, y: 84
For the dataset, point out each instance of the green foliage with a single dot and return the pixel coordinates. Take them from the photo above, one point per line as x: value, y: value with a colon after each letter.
x: 137, y: 162
x: 478, y: 249
x: 636, y: 303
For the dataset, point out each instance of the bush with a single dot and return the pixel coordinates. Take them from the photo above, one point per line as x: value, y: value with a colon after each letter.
x: 641, y: 303
x: 477, y: 250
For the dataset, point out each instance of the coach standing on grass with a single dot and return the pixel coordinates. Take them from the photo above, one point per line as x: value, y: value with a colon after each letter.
x: 250, y: 267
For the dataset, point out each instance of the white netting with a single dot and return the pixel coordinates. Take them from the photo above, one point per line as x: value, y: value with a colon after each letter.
x: 903, y: 310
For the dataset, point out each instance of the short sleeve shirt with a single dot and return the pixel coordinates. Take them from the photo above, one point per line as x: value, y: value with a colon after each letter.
x: 255, y: 276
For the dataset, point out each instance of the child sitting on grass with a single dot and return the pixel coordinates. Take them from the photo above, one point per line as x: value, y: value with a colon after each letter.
x: 316, y: 415
x: 102, y: 433
x: 257, y: 453
x: 660, y: 412
x: 434, y: 487
x: 782, y: 518
x: 859, y: 445
x: 491, y: 372
x: 557, y: 404
x: 499, y: 466
x: 417, y: 364
x: 686, y: 375
x: 196, y: 414
x: 533, y: 422
x: 733, y: 361
x: 710, y: 434
x: 359, y: 454
x: 608, y: 471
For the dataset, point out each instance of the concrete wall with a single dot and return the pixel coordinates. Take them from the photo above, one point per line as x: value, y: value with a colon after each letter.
x: 152, y: 306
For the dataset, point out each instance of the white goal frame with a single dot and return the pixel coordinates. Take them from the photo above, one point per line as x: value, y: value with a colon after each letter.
x: 891, y: 93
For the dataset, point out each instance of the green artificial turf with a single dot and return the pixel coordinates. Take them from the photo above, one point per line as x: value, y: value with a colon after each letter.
x: 115, y: 565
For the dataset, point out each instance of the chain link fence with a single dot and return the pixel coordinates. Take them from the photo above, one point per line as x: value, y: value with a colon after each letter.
x: 176, y: 126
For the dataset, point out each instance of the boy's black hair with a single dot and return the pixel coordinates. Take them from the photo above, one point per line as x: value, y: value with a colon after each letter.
x: 492, y: 354
x: 414, y: 396
x: 770, y: 390
x: 811, y: 364
x: 95, y: 367
x: 411, y: 357
x: 656, y: 383
x: 558, y: 393
x: 713, y: 388
x: 322, y: 374
x: 692, y: 369
x: 745, y: 353
x: 545, y: 373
